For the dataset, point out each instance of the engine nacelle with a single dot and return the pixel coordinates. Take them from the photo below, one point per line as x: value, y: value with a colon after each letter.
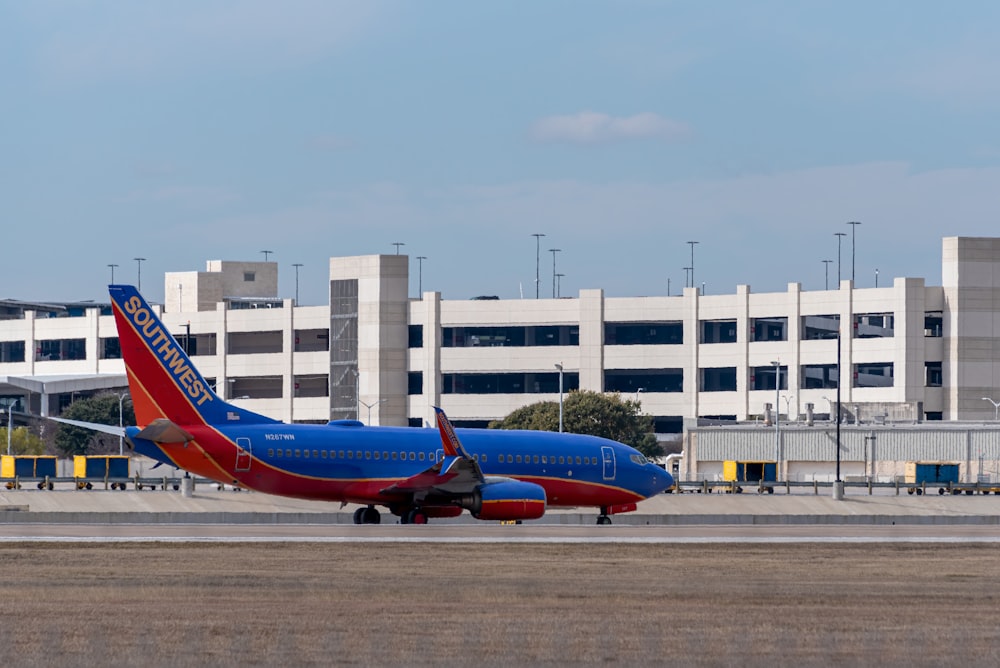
x: 508, y: 500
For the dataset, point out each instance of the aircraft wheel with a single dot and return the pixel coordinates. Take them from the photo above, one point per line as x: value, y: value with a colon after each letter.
x: 358, y: 515
x: 416, y: 516
x: 603, y: 519
x: 371, y: 515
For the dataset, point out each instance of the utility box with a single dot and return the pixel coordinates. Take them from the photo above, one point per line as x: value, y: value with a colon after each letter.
x: 27, y: 466
x: 100, y: 466
x: 733, y: 471
x: 918, y: 474
x: 935, y: 473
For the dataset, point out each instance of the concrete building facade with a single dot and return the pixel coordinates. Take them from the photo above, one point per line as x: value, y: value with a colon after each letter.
x: 909, y: 352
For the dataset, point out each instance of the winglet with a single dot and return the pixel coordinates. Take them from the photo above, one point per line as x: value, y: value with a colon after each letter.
x: 449, y: 439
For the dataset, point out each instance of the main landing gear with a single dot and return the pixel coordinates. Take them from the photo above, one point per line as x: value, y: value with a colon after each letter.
x: 414, y: 516
x: 604, y: 517
x: 367, y: 515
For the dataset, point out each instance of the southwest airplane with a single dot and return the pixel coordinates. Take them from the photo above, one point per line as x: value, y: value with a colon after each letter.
x: 417, y: 473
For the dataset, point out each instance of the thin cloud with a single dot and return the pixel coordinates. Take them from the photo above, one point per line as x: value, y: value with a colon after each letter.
x: 591, y: 127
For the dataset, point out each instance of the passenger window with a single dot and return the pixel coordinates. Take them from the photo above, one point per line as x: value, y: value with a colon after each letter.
x: 413, y: 457
x: 376, y: 454
x: 288, y: 453
x: 358, y: 454
x: 545, y: 460
x: 510, y: 459
x: 484, y: 458
x: 421, y: 456
x: 324, y: 454
x: 577, y: 461
x: 298, y: 453
x: 535, y: 459
x: 518, y: 459
x: 561, y: 460
x: 340, y: 454
x: 350, y: 454
x: 305, y: 454
x: 368, y: 454
x: 395, y: 455
x: 315, y: 454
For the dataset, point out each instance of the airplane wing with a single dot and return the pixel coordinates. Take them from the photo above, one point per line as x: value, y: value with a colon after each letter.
x: 456, y: 473
x: 93, y: 426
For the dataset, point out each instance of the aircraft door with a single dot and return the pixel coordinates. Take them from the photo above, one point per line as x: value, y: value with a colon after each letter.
x: 244, y: 452
x: 608, y: 458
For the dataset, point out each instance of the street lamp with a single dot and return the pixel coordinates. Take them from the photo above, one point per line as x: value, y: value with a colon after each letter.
x: 266, y: 254
x: 554, y: 251
x: 996, y: 407
x: 10, y: 423
x: 121, y: 426
x: 369, y: 407
x: 559, y: 278
x: 637, y: 391
x: 692, y: 243
x: 840, y: 237
x: 538, y: 249
x: 826, y: 272
x: 138, y: 273
x: 777, y: 417
x: 420, y: 276
x: 788, y: 407
x: 297, y: 265
x: 112, y: 273
x: 397, y: 244
x: 560, y: 367
x: 854, y: 227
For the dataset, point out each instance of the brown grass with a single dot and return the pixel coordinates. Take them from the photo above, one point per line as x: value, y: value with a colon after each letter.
x: 420, y: 604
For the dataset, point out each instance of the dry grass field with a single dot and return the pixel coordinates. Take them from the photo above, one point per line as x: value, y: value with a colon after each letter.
x: 272, y: 604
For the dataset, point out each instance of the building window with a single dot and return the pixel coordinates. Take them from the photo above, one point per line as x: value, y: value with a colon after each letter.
x: 12, y: 351
x: 416, y: 336
x: 513, y: 336
x: 508, y: 383
x: 255, y: 387
x: 819, y: 327
x: 873, y: 325
x: 646, y: 380
x: 818, y: 376
x: 643, y: 333
x: 312, y: 385
x: 249, y: 277
x: 718, y: 331
x: 932, y: 374
x: 764, y: 377
x: 878, y: 374
x: 415, y: 383
x: 933, y: 324
x: 61, y: 349
x: 718, y: 379
x: 110, y: 348
x: 312, y: 340
x: 769, y: 329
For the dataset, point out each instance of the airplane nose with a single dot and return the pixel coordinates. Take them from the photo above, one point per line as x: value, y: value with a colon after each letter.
x: 662, y: 480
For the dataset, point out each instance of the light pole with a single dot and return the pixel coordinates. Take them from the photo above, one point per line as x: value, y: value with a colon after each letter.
x: 297, y: 265
x: 777, y: 418
x: 996, y: 408
x: 554, y: 251
x: 692, y: 244
x: 266, y: 254
x: 559, y: 284
x: 876, y: 277
x: 138, y: 273
x: 397, y: 244
x: 840, y: 237
x: 788, y: 407
x: 10, y: 423
x: 637, y: 391
x: 560, y: 367
x: 854, y: 226
x: 420, y: 276
x: 369, y: 407
x: 826, y: 272
x: 112, y: 273
x: 687, y: 277
x: 538, y: 249
x: 121, y: 425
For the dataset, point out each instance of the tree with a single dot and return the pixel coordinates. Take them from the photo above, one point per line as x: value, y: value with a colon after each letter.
x: 587, y: 412
x: 22, y: 442
x: 102, y: 409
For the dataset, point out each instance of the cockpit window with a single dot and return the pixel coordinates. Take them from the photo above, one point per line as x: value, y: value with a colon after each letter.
x: 639, y: 459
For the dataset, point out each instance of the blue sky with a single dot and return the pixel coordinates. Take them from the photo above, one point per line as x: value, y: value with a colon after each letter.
x: 189, y: 131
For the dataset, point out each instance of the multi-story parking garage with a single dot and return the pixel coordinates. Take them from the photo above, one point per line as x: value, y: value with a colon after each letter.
x: 909, y: 352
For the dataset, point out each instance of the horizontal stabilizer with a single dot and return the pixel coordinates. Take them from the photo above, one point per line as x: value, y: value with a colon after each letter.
x: 93, y: 426
x: 163, y: 430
